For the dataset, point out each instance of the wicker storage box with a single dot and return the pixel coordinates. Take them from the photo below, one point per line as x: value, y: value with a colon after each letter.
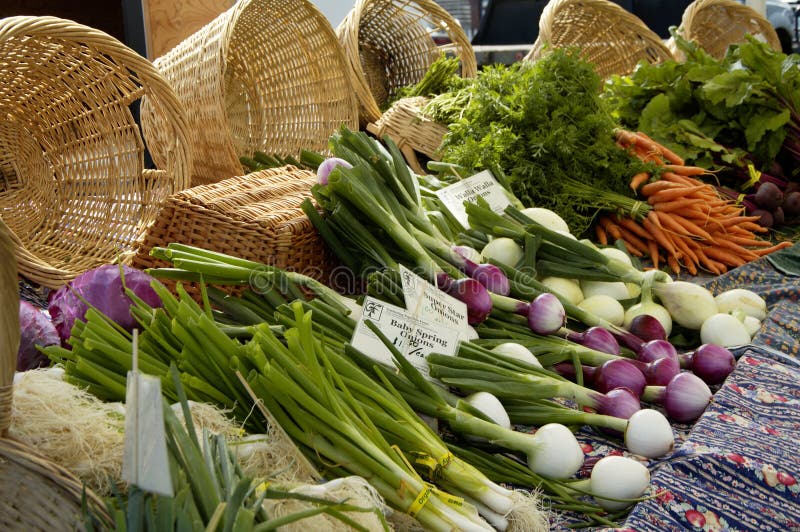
x: 613, y: 39
x: 716, y: 24
x: 72, y: 184
x: 255, y: 217
x: 412, y: 132
x: 389, y: 44
x: 265, y: 75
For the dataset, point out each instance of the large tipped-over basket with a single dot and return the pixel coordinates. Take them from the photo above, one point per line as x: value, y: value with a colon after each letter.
x: 72, y: 183
x: 716, y: 24
x: 35, y: 493
x: 255, y: 217
x: 612, y: 39
x: 265, y: 75
x: 391, y: 44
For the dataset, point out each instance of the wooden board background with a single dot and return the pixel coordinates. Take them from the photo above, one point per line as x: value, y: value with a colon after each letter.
x: 168, y: 22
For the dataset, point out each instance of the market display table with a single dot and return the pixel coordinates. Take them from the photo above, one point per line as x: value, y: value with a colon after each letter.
x: 737, y: 467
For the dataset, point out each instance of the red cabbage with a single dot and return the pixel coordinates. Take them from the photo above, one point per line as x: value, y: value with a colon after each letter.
x: 36, y: 329
x: 102, y: 288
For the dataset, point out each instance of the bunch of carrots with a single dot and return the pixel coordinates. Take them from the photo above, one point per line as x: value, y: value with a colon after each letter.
x: 684, y: 221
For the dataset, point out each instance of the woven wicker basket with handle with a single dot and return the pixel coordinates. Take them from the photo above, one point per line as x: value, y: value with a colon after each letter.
x: 612, y: 39
x: 72, y: 184
x: 255, y: 217
x: 35, y: 493
x: 388, y: 44
x: 265, y: 75
x: 716, y: 24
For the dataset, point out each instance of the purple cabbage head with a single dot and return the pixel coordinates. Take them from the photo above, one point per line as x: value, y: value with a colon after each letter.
x: 36, y: 329
x: 102, y: 288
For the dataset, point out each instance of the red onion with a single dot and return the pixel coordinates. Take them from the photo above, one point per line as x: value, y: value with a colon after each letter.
x: 596, y: 338
x: 326, y: 167
x: 567, y: 369
x: 655, y: 349
x: 660, y: 372
x: 712, y: 363
x: 474, y: 294
x: 492, y: 278
x: 647, y: 328
x: 620, y: 402
x: 619, y: 373
x: 546, y: 314
x: 685, y: 398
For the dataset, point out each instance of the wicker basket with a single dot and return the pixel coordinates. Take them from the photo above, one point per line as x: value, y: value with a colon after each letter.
x: 72, y: 185
x: 266, y: 75
x: 412, y: 132
x: 255, y: 217
x: 35, y: 493
x: 388, y: 45
x: 716, y: 24
x: 613, y: 39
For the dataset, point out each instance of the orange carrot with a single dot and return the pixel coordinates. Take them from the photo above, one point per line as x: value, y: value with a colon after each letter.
x: 653, y: 226
x: 639, y: 180
x: 724, y: 256
x: 683, y: 204
x: 776, y: 247
x: 602, y: 237
x: 736, y: 248
x: 668, y: 154
x: 668, y: 194
x: 710, y: 264
x: 611, y: 228
x: 669, y: 223
x: 684, y: 170
x: 656, y: 186
x: 631, y: 225
x: 652, y: 247
x: 672, y: 177
x: 631, y: 240
x: 690, y: 227
x: 673, y: 263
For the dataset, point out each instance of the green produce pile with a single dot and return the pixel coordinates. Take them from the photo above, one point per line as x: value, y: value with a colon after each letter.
x: 543, y: 124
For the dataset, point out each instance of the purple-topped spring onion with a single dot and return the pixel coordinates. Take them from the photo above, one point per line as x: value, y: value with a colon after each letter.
x: 619, y: 373
x: 712, y: 363
x: 546, y: 314
x: 646, y: 306
x: 597, y: 338
x: 492, y: 278
x: 616, y: 482
x: 647, y: 327
x: 326, y: 166
x: 655, y: 349
x: 684, y: 398
x: 472, y: 293
x: 660, y: 372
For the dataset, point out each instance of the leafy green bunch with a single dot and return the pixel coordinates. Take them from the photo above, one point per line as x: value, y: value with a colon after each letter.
x: 544, y: 125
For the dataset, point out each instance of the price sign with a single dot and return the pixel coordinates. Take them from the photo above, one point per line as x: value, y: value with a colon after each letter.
x: 482, y: 184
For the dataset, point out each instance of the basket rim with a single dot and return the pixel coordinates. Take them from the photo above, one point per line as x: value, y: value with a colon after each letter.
x: 348, y: 32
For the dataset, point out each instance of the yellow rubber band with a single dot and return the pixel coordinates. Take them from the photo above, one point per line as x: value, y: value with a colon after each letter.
x: 755, y: 176
x: 740, y: 198
x: 636, y: 207
x: 445, y: 459
x: 261, y: 488
x: 420, y: 500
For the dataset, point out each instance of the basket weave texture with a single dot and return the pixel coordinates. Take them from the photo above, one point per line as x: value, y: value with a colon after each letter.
x: 716, y: 24
x: 255, y: 217
x: 410, y: 130
x: 613, y: 39
x: 388, y: 45
x: 35, y: 493
x: 265, y: 75
x: 72, y: 184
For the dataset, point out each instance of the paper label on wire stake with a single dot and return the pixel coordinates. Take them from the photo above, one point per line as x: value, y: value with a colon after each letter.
x: 482, y: 184
x: 426, y: 302
x: 413, y: 337
x: 144, y: 462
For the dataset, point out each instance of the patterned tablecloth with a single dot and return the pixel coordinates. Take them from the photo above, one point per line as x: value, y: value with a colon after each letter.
x: 738, y: 466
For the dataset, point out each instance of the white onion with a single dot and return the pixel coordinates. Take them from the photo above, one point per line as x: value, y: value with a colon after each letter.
x: 653, y: 309
x: 725, y: 330
x: 569, y: 289
x: 604, y: 306
x: 556, y: 452
x: 747, y: 301
x: 617, y: 254
x: 547, y: 218
x: 689, y: 304
x: 618, y: 477
x: 503, y: 250
x: 491, y: 407
x: 752, y: 325
x: 517, y: 352
x: 616, y: 289
x: 649, y: 433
